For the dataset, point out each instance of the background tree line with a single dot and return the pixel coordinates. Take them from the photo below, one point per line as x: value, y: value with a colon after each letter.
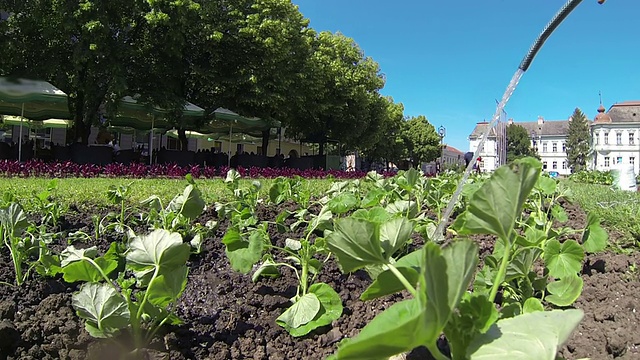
x: 257, y: 57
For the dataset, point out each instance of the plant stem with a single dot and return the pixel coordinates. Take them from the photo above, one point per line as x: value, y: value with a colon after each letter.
x: 403, y: 280
x: 502, y: 270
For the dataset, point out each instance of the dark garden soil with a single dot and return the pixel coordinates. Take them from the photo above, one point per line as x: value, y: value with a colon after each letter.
x: 228, y: 317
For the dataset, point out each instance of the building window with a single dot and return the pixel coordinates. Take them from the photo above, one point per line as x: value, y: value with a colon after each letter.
x: 606, y: 138
x: 618, y: 138
x: 632, y: 160
x: 619, y: 160
x: 606, y: 161
x: 555, y: 147
x: 564, y: 147
x: 597, y: 135
x: 564, y: 165
x: 544, y: 165
x: 555, y: 165
x: 544, y: 147
x: 632, y: 138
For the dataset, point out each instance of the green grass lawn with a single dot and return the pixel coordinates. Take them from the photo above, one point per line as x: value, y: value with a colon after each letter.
x: 618, y: 210
x: 94, y: 191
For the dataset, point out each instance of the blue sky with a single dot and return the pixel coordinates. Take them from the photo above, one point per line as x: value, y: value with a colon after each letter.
x: 450, y: 60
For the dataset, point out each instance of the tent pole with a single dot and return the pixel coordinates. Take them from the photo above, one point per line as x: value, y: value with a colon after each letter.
x: 20, y: 139
x: 151, y: 142
x: 229, y: 157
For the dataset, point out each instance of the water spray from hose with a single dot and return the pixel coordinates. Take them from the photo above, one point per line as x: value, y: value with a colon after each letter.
x: 522, y: 68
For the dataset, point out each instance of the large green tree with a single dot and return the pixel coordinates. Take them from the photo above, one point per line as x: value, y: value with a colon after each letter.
x: 421, y: 140
x: 339, y: 90
x: 518, y: 143
x: 386, y: 143
x: 249, y: 58
x: 578, y: 141
x: 99, y: 51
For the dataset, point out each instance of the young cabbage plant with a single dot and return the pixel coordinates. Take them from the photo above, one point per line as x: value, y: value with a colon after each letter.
x: 315, y: 304
x: 294, y: 188
x: 110, y: 300
x: 441, y: 303
x: 117, y: 195
x: 241, y: 210
x: 13, y: 223
x: 50, y: 209
x: 535, y: 238
x: 179, y: 214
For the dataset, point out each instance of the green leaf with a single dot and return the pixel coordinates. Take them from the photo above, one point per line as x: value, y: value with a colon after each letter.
x: 373, y: 197
x: 167, y: 287
x: 533, y: 336
x: 323, y: 221
x: 447, y: 276
x: 563, y: 260
x: 13, y: 219
x: 190, y: 203
x: 103, y: 309
x: 565, y: 291
x: 546, y: 185
x: 267, y: 269
x: 532, y: 305
x: 495, y: 207
x: 398, y: 329
x: 403, y: 207
x: 376, y: 215
x: 594, y: 238
x: 84, y: 271
x: 330, y: 309
x: 160, y: 249
x: 522, y: 262
x: 243, y: 254
x: 394, y: 234
x: 71, y: 254
x: 387, y: 282
x: 356, y: 243
x: 533, y: 237
x: 474, y: 316
x: 301, y: 312
x: 559, y: 214
x: 342, y: 203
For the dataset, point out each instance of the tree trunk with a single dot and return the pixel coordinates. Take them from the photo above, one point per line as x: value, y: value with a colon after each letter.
x: 78, y: 120
x: 265, y: 141
x: 182, y: 137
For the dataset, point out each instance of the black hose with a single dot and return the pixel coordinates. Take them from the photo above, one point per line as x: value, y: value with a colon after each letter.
x: 551, y: 26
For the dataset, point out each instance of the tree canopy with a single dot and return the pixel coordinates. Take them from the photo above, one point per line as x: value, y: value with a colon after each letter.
x: 256, y: 57
x: 421, y: 140
x: 518, y: 143
x: 578, y: 141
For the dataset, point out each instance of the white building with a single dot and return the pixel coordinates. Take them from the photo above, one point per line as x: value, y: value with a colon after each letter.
x: 616, y: 136
x: 548, y: 139
x: 494, y: 151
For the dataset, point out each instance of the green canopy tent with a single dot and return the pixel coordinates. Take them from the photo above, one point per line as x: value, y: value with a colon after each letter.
x: 36, y: 124
x: 226, y: 121
x: 33, y: 100
x: 134, y: 114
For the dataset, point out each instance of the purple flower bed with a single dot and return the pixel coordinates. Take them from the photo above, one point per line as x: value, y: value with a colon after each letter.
x: 36, y: 168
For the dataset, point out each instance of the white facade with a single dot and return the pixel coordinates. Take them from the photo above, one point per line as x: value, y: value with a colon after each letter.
x: 489, y: 154
x: 616, y: 137
x: 552, y: 152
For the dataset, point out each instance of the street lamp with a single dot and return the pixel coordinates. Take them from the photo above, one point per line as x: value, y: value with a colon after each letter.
x: 442, y: 132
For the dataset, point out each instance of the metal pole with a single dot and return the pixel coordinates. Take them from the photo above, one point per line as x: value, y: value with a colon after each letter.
x: 229, y: 157
x: 20, y: 139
